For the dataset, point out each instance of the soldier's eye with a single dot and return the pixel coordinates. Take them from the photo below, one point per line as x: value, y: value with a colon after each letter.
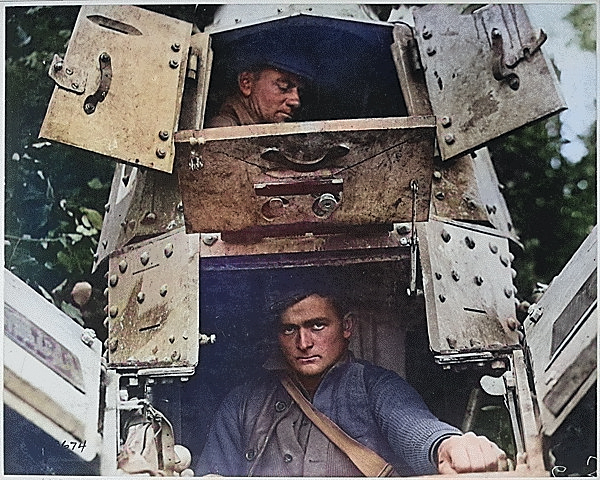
x: 318, y: 326
x: 287, y: 330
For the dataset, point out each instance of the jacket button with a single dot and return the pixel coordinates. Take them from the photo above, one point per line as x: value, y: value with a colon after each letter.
x: 250, y: 455
x: 280, y: 406
x: 287, y: 458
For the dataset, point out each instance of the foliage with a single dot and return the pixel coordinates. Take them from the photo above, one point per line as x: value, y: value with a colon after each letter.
x: 552, y: 201
x: 53, y: 194
x: 583, y: 18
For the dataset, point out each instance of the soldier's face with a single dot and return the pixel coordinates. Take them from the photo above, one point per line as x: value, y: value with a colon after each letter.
x: 273, y: 95
x: 313, y: 337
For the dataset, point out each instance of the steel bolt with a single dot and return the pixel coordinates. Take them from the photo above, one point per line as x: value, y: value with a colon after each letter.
x: 504, y: 260
x: 438, y: 275
x: 446, y: 121
x: 106, y: 292
x: 114, y: 311
x: 163, y: 135
x: 172, y: 339
x: 403, y: 229
x: 106, y: 322
x: 168, y: 250
x: 449, y: 139
x: 209, y: 239
x: 176, y: 47
x: 437, y: 175
x: 58, y: 66
x: 440, y: 195
x: 478, y: 280
x: 150, y: 217
x: 404, y: 241
x: 514, y: 82
x: 69, y: 71
x: 451, y: 342
x: 446, y: 236
x: 493, y: 248
x: 75, y: 85
x: 145, y: 258
x: 470, y: 242
x: 512, y: 323
x: 96, y: 257
x: 430, y: 51
x: 508, y: 292
x: 112, y: 344
x: 475, y: 343
x: 125, y: 180
x: 155, y: 349
x: 180, y: 207
x: 455, y: 276
x: 113, y: 280
x: 174, y: 64
x: 141, y: 297
x: 89, y: 108
x: 122, y: 266
x: 107, y: 207
x: 104, y: 57
x: 161, y: 153
x: 175, y: 355
x: 442, y: 297
x: 426, y: 34
x: 163, y: 290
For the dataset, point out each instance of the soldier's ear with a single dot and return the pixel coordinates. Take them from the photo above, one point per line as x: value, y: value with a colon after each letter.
x: 348, y: 324
x: 245, y: 83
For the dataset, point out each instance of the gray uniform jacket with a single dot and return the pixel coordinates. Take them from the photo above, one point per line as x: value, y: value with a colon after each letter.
x: 260, y: 431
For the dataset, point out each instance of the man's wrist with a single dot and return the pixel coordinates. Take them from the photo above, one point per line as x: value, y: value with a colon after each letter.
x: 433, y: 451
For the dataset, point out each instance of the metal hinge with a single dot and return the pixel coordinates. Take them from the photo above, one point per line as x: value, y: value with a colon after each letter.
x: 414, y: 56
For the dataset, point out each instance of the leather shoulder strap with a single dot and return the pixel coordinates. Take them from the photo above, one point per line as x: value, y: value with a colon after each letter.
x: 365, y: 459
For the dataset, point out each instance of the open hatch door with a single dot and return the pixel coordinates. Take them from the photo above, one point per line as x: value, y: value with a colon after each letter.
x: 561, y: 332
x: 118, y: 89
x: 485, y: 73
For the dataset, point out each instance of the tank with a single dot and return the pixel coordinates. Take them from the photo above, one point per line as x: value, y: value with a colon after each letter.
x: 383, y: 191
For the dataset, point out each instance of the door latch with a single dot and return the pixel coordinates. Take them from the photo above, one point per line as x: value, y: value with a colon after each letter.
x: 498, y: 66
x: 92, y: 101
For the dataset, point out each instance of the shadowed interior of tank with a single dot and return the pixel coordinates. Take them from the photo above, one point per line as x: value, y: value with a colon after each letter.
x: 390, y: 331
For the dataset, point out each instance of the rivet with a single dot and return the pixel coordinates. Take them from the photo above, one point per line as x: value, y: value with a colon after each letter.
x: 446, y: 236
x: 513, y: 273
x: 438, y: 275
x: 150, y: 217
x: 131, y: 224
x: 145, y: 258
x: 437, y: 175
x: 141, y: 297
x: 104, y: 243
x: 287, y: 458
x: 250, y: 455
x: 470, y: 242
x: 504, y: 260
x: 105, y: 309
x: 125, y: 179
x: 180, y: 207
x: 155, y: 349
x: 175, y: 355
x: 209, y: 239
x: 512, y: 323
x: 106, y: 322
x: 107, y: 207
x: 161, y: 153
x: 104, y: 57
x: 280, y: 406
x: 176, y: 47
x: 478, y: 280
x: 451, y: 342
x: 474, y: 342
x: 440, y: 195
x: 404, y: 241
x: 446, y: 121
x: 430, y: 51
x: 471, y: 204
x: 168, y: 250
x: 163, y: 290
x: 426, y: 34
x: 455, y: 276
x: 449, y: 139
x: 75, y: 85
x: 58, y: 66
x: 172, y: 339
x: 491, y: 209
x: 163, y: 135
x: 112, y: 344
x: 106, y: 292
x: 113, y: 280
x: 69, y: 71
x: 442, y: 298
x: 508, y: 292
x: 89, y: 108
x: 403, y: 229
x: 185, y: 335
x: 493, y: 248
x: 114, y: 311
x: 173, y: 63
x: 122, y: 266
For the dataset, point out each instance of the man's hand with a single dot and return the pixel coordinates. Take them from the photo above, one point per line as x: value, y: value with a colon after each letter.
x: 470, y: 453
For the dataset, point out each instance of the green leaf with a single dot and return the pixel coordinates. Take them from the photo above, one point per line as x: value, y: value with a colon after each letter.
x: 95, y: 184
x: 93, y: 216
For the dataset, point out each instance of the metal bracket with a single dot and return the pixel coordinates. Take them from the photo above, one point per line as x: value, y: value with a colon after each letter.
x: 66, y: 76
x: 273, y: 154
x: 92, y: 101
x: 412, y: 288
x: 498, y: 65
